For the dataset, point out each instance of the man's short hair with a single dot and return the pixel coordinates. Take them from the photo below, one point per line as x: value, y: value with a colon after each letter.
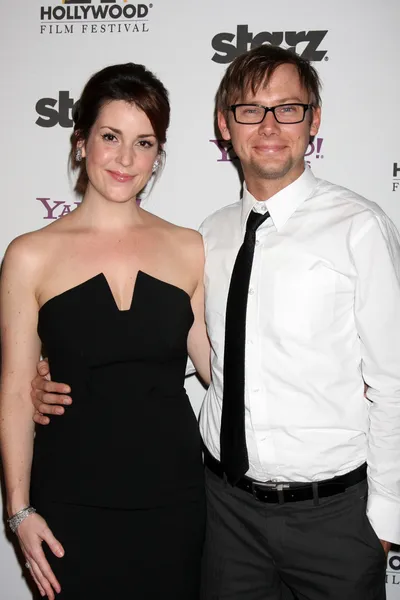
x: 250, y: 71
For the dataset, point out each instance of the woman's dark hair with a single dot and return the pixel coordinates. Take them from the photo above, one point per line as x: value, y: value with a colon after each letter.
x: 129, y: 82
x: 250, y: 71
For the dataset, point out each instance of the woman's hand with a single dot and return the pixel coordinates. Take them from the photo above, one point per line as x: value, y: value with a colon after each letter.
x: 32, y: 532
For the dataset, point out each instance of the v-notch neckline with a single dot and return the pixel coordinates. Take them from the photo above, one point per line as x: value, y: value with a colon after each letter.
x: 102, y: 278
x: 111, y: 294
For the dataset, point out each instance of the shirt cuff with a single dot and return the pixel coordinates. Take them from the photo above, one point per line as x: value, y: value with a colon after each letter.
x: 190, y: 370
x: 384, y: 516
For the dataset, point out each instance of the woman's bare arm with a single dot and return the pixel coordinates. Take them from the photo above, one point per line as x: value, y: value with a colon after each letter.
x: 20, y: 347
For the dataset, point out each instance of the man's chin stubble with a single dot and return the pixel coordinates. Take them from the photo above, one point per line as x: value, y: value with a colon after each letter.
x: 270, y: 174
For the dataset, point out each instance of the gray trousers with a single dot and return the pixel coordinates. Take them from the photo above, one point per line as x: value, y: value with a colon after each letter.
x: 293, y: 551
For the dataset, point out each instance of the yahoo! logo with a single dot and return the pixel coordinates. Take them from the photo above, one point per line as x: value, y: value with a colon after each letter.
x: 305, y: 43
x: 227, y: 153
x: 54, y: 209
x: 314, y: 148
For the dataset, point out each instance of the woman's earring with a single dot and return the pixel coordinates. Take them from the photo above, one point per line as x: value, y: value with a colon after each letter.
x: 78, y: 155
x: 155, y: 166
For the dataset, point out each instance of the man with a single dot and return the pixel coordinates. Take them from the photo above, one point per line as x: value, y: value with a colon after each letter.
x: 302, y: 307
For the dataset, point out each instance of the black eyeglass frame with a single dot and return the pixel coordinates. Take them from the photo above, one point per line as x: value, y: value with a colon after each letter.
x: 272, y: 109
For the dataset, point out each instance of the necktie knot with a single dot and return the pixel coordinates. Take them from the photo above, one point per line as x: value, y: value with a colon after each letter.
x: 254, y: 221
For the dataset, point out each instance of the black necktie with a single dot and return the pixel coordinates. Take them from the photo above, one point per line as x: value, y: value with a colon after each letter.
x: 234, y: 457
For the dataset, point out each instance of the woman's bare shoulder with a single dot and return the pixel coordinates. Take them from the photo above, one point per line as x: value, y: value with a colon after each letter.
x: 184, y: 235
x: 29, y: 250
x: 191, y: 240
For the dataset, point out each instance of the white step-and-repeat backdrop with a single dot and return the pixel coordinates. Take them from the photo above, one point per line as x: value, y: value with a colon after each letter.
x: 51, y: 47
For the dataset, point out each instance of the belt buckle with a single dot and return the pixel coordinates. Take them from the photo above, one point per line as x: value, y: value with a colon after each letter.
x: 270, y: 486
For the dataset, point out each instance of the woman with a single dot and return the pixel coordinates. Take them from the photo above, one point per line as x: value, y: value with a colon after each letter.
x: 115, y: 296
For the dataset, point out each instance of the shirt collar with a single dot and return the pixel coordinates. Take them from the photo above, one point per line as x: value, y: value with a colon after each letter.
x: 282, y: 205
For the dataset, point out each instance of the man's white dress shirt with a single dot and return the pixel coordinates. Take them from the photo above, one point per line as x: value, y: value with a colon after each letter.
x: 323, y: 316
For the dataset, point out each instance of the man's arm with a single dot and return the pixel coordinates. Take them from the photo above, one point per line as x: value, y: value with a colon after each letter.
x: 376, y: 255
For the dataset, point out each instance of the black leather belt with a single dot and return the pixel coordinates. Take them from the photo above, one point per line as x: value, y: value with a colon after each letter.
x: 281, y: 492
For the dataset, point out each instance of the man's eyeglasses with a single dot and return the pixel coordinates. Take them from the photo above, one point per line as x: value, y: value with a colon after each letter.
x: 252, y: 114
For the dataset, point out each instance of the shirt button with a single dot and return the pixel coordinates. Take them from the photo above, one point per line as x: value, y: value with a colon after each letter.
x: 256, y: 390
x: 251, y: 291
x: 257, y: 242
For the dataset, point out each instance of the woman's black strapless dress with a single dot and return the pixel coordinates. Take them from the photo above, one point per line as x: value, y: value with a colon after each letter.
x: 119, y: 477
